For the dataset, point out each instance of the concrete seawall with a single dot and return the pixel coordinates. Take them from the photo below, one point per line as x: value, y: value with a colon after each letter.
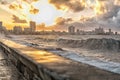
x: 37, y: 64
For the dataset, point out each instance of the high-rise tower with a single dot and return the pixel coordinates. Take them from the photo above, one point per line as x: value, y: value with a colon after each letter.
x: 0, y: 24
x: 32, y: 26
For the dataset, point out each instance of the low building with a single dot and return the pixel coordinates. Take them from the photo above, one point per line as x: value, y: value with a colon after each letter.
x: 109, y: 32
x: 71, y: 30
x: 116, y: 33
x: 99, y: 30
x: 77, y: 31
x: 27, y: 30
x: 17, y: 30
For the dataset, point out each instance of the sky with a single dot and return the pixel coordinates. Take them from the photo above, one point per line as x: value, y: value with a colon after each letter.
x: 59, y: 14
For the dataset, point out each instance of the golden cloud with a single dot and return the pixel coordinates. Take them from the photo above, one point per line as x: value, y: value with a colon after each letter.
x: 71, y: 4
x: 34, y: 11
x: 18, y: 20
x: 15, y: 6
x: 62, y: 21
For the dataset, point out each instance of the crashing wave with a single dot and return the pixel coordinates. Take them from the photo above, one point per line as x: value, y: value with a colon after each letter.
x: 92, y: 43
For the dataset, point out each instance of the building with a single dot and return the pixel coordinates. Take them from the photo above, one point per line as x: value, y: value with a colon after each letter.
x: 109, y: 32
x: 71, y: 30
x: 2, y: 28
x: 27, y: 30
x: 77, y: 31
x: 17, y: 29
x: 99, y: 30
x: 0, y: 24
x: 32, y: 26
x: 116, y: 33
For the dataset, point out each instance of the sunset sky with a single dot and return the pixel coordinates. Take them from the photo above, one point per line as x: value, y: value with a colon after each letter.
x: 61, y: 13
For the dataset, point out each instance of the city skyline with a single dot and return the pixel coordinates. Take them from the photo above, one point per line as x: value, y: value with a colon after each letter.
x: 96, y: 31
x: 85, y: 14
x: 71, y: 30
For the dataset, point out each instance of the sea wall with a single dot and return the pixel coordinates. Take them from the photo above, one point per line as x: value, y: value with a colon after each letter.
x: 27, y: 67
x: 35, y: 64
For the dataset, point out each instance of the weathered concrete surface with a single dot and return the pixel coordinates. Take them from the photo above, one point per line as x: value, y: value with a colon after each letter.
x: 37, y: 64
x: 7, y: 70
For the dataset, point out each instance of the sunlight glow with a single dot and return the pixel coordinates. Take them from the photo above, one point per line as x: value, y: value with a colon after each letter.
x: 99, y: 8
x: 46, y: 12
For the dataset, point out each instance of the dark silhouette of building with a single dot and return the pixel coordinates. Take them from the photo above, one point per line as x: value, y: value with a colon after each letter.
x: 27, y: 30
x: 99, y: 30
x: 32, y: 26
x: 0, y: 24
x: 2, y: 28
x: 110, y: 30
x: 116, y: 33
x: 77, y: 31
x: 17, y: 29
x: 71, y: 29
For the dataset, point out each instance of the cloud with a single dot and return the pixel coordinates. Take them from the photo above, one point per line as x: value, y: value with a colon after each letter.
x: 62, y: 21
x: 74, y: 5
x: 15, y: 6
x: 18, y: 20
x: 110, y: 18
x: 3, y: 2
x: 30, y: 1
x: 108, y: 15
x: 34, y: 11
x: 19, y: 6
x: 69, y: 20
